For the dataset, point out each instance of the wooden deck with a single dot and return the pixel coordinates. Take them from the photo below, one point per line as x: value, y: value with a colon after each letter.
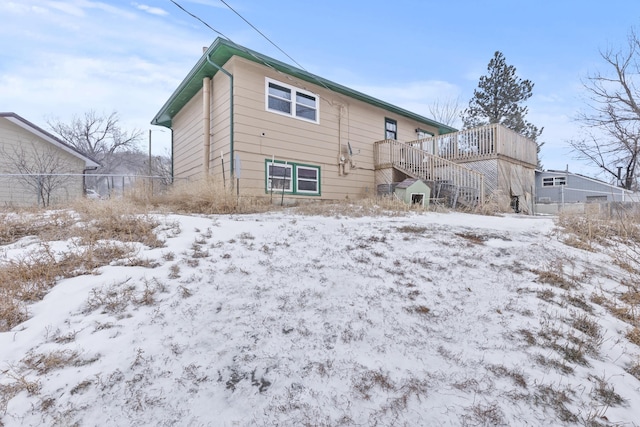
x: 419, y: 164
x: 440, y: 159
x: 486, y: 142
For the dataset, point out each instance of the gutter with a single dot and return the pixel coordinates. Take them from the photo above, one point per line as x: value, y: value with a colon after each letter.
x: 232, y: 160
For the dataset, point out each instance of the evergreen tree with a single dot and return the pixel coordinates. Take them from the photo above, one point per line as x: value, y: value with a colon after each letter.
x: 499, y: 98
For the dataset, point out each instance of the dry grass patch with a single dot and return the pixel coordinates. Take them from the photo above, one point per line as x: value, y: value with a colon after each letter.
x: 419, y: 309
x: 553, y: 274
x: 366, y: 206
x: 100, y: 233
x: 43, y: 363
x: 12, y: 384
x: 556, y: 398
x: 633, y: 335
x: 497, y: 203
x: 12, y: 311
x: 51, y: 225
x: 605, y: 393
x: 206, y: 196
x: 634, y: 369
x: 587, y: 325
x: 116, y: 220
x: 29, y: 277
x: 484, y: 415
x: 516, y: 375
x: 586, y: 230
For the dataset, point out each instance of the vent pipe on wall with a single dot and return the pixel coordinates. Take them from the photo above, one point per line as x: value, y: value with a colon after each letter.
x: 231, y: 119
x: 206, y: 123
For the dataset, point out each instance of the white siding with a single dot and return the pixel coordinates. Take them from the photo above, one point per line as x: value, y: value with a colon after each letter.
x: 15, y: 191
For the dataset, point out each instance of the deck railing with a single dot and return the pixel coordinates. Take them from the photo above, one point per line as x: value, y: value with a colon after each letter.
x: 480, y: 143
x: 423, y: 165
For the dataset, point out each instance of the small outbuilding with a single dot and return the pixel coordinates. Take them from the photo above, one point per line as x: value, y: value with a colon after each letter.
x: 413, y: 191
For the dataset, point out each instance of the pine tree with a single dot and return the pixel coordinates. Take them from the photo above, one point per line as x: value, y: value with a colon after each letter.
x: 499, y: 99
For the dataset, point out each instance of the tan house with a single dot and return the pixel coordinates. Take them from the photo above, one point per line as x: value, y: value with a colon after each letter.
x: 267, y: 127
x: 36, y: 168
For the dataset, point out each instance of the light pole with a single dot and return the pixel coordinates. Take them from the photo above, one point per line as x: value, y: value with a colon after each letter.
x: 150, y: 153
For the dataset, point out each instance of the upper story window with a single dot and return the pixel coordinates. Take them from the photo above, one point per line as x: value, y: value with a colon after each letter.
x: 291, y: 101
x: 422, y: 134
x: 553, y: 181
x: 390, y: 129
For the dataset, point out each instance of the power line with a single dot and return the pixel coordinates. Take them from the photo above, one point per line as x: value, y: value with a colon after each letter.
x: 198, y: 18
x: 313, y: 76
x: 262, y: 34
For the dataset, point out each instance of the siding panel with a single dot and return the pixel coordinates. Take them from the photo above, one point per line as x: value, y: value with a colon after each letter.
x: 15, y: 191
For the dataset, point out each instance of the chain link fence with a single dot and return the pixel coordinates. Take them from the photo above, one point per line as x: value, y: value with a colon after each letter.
x: 44, y: 190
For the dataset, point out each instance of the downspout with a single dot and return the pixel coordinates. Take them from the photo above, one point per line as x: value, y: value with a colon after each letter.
x: 232, y: 157
x: 172, y: 162
x: 206, y: 123
x: 340, y: 161
x: 84, y: 178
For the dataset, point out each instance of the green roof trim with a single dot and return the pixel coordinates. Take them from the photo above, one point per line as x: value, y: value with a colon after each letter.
x: 222, y: 50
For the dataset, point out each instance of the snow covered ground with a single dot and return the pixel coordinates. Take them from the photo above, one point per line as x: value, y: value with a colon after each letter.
x: 292, y: 320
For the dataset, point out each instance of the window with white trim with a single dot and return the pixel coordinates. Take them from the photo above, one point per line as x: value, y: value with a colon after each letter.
x: 554, y: 181
x: 307, y: 179
x: 292, y: 178
x: 291, y: 101
x: 279, y: 177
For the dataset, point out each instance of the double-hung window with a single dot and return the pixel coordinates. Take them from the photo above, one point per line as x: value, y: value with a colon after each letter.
x: 279, y: 176
x: 291, y: 101
x: 292, y: 178
x: 390, y: 129
x: 307, y: 179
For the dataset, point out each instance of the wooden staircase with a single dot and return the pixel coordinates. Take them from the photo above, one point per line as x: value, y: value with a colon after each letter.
x: 455, y: 184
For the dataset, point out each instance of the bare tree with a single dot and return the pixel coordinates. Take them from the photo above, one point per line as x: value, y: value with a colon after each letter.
x: 161, y: 167
x: 446, y: 112
x: 43, y: 170
x: 99, y: 137
x: 611, y: 124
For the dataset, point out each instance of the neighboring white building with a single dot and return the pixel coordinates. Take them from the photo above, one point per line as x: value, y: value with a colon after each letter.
x: 27, y: 147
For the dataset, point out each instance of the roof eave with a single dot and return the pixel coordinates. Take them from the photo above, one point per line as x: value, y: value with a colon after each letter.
x: 52, y: 139
x: 221, y: 51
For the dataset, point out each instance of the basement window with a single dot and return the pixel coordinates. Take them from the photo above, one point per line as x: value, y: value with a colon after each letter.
x: 282, y: 98
x: 279, y: 177
x: 307, y: 179
x: 292, y: 178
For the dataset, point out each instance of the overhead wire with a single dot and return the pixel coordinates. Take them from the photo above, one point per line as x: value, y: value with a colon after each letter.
x: 262, y: 34
x: 199, y: 19
x: 249, y: 52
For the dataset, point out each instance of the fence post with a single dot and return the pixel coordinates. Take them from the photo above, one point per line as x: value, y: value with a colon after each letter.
x: 40, y: 195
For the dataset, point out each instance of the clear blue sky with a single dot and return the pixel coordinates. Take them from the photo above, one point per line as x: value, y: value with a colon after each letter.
x: 60, y: 58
